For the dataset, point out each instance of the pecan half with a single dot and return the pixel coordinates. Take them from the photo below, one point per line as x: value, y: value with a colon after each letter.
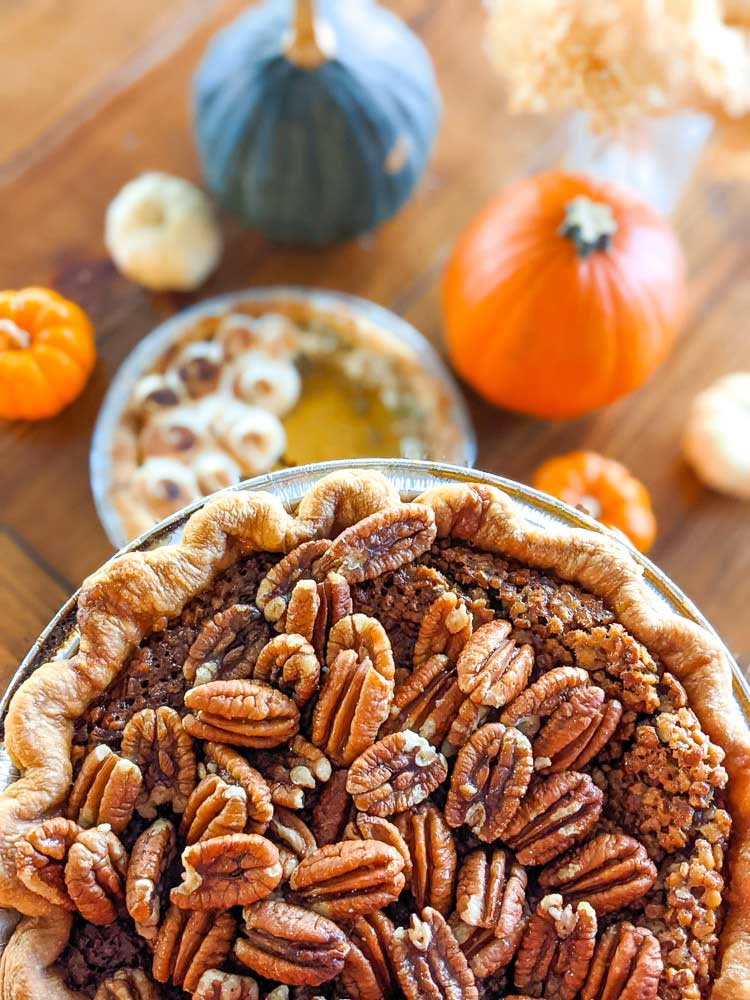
x: 542, y: 697
x: 366, y: 827
x: 611, y: 871
x: 335, y: 603
x: 40, y: 859
x: 303, y: 610
x: 227, y: 646
x: 290, y: 945
x: 350, y: 878
x: 150, y: 858
x: 105, y: 790
x: 333, y: 810
x: 275, y: 589
x: 353, y: 703
x: 292, y: 772
x: 555, y: 814
x: 190, y: 943
x: 243, y: 713
x: 369, y: 640
x: 492, y: 670
x: 379, y: 543
x: 216, y: 985
x: 627, y: 965
x: 234, y: 870
x: 577, y: 731
x: 491, y: 947
x: 215, y: 808
x: 289, y: 663
x: 479, y: 892
x: 94, y: 874
x: 490, y: 778
x: 156, y: 741
x: 233, y: 768
x: 555, y: 953
x: 396, y: 773
x: 292, y: 837
x: 366, y: 974
x: 427, y: 702
x: 428, y: 961
x: 433, y: 856
x: 445, y: 629
x: 128, y: 984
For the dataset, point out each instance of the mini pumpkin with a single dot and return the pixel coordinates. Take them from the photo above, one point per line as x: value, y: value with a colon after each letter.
x: 314, y: 120
x: 562, y: 296
x: 605, y: 489
x: 46, y: 353
x: 717, y: 435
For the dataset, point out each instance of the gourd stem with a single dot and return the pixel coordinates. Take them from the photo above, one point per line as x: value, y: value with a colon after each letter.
x: 304, y: 48
x: 589, y: 224
x: 20, y: 339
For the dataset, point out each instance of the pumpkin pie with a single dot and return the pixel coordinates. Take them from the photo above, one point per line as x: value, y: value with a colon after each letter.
x: 378, y: 748
x: 259, y: 385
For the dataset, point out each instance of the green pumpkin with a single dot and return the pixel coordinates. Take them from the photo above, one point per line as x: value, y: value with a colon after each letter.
x: 314, y: 128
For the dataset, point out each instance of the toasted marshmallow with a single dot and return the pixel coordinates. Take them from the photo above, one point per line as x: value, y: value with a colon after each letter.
x: 271, y: 334
x: 271, y: 383
x: 163, y: 486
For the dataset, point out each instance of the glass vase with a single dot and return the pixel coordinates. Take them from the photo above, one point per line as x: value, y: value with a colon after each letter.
x: 655, y: 157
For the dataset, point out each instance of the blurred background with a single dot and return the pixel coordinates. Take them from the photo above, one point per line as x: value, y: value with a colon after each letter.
x: 95, y: 93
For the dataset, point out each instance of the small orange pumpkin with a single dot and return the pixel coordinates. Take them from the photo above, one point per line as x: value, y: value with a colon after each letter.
x: 562, y: 296
x: 46, y: 353
x: 605, y: 489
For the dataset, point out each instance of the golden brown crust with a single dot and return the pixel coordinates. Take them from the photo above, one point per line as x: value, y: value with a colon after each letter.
x: 135, y: 594
x: 27, y: 966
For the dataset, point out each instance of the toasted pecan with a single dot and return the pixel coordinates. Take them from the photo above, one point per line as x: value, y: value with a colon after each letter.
x: 233, y: 870
x: 242, y: 713
x: 490, y: 777
x: 157, y: 742
x: 150, y: 858
x: 396, y: 773
x: 291, y: 945
x: 105, y: 790
x: 556, y: 950
x: 189, y: 943
x: 349, y: 878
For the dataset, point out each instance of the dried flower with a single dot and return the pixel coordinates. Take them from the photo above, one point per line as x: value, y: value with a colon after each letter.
x: 619, y: 60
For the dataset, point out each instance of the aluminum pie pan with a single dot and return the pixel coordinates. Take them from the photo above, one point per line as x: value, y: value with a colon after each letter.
x: 148, y: 351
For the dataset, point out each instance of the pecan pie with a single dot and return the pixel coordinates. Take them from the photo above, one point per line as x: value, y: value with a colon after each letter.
x: 376, y: 748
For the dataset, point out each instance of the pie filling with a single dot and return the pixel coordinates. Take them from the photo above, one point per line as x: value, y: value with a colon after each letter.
x: 461, y: 777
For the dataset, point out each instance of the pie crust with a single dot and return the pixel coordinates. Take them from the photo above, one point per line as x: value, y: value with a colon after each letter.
x: 135, y: 595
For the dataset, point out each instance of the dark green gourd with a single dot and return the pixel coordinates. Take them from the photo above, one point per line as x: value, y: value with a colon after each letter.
x: 314, y: 124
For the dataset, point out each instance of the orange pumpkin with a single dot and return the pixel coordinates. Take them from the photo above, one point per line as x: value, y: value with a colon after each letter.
x: 605, y: 489
x: 562, y: 296
x: 46, y: 353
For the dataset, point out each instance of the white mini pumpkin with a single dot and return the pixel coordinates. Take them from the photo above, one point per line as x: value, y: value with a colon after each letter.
x: 716, y: 441
x: 162, y: 233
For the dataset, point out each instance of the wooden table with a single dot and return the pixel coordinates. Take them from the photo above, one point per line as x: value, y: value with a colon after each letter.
x: 96, y: 91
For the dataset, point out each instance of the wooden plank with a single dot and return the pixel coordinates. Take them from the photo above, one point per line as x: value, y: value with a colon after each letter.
x: 98, y: 47
x: 29, y: 596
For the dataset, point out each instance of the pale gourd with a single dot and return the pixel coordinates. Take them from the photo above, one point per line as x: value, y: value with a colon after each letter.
x: 314, y: 123
x: 716, y: 440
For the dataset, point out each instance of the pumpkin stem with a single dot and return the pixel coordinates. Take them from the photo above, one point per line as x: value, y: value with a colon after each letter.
x: 19, y: 338
x: 306, y: 46
x: 589, y: 224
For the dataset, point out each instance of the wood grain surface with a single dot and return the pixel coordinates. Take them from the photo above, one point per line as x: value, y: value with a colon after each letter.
x: 95, y: 91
